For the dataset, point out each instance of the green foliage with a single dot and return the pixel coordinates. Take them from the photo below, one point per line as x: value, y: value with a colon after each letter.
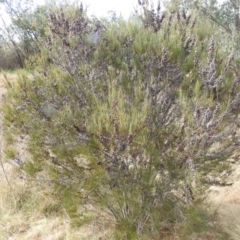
x: 223, y: 14
x: 24, y: 36
x: 126, y: 115
x: 8, y: 59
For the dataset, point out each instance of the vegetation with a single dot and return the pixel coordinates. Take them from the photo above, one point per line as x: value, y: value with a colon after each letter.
x: 129, y: 116
x: 21, y: 38
x: 224, y: 14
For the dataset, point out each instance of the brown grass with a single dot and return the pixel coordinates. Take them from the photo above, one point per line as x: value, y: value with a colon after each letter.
x: 230, y: 219
x: 24, y: 214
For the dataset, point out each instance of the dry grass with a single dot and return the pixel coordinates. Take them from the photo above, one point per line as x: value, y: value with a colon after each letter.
x: 29, y: 211
x: 226, y: 201
x: 230, y: 219
x: 229, y: 212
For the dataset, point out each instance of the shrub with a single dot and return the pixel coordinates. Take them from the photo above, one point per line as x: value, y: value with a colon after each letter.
x: 127, y: 115
x: 9, y: 58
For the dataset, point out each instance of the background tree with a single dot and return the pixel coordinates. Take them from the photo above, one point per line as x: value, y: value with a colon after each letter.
x: 225, y: 16
x: 20, y: 34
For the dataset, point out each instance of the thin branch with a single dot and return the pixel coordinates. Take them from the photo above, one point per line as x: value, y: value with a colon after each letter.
x: 228, y: 30
x: 234, y: 4
x: 5, y: 175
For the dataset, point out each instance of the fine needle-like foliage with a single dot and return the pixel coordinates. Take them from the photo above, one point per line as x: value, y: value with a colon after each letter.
x: 129, y: 115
